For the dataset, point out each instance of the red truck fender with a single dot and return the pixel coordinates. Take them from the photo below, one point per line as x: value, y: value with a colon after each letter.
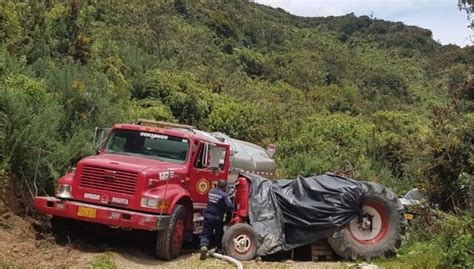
x: 170, y: 196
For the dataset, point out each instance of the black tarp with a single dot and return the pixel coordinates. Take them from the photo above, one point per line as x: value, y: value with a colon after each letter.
x: 290, y: 213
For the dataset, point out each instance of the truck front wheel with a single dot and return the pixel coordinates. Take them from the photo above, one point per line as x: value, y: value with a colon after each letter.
x: 170, y: 240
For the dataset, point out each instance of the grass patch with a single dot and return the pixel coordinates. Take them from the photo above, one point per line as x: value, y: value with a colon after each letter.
x: 439, y: 241
x: 416, y: 255
x: 103, y: 261
x: 5, y: 265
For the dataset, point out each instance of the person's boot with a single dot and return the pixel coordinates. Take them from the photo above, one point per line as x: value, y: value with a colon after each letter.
x: 203, y: 252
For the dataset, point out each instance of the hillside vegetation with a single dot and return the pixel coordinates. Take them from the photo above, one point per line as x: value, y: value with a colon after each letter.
x: 380, y: 100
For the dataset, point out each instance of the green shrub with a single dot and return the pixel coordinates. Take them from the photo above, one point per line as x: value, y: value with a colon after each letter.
x: 30, y: 122
x: 449, y: 161
x: 237, y: 119
x: 437, y: 240
x: 384, y: 91
x: 189, y: 101
x: 324, y: 142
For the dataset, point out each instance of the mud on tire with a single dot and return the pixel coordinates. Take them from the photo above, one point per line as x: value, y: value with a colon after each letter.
x: 170, y: 240
x: 240, y: 242
x: 382, y: 233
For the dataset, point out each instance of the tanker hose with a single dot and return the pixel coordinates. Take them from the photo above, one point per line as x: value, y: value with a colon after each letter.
x: 237, y: 263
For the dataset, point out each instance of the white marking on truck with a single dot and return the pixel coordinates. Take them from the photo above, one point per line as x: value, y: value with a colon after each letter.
x: 115, y: 215
x: 92, y: 196
x: 117, y: 200
x: 164, y: 175
x: 154, y: 136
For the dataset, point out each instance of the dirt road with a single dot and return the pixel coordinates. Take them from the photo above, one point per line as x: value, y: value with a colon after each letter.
x: 27, y: 243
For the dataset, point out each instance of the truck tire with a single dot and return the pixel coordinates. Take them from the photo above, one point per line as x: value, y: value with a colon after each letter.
x: 170, y: 240
x: 240, y: 242
x: 381, y: 236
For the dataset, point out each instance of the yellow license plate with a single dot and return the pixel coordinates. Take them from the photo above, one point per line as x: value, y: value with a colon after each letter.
x: 87, y: 212
x: 409, y: 216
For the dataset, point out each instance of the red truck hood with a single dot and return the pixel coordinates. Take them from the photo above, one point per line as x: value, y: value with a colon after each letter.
x: 129, y: 163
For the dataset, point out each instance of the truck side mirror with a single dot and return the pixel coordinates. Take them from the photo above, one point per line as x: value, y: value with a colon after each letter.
x: 100, y: 137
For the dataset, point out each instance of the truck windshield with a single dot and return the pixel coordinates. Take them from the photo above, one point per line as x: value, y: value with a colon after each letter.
x: 149, y: 145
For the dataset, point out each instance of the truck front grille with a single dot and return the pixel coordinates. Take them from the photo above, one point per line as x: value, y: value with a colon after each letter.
x: 108, y: 179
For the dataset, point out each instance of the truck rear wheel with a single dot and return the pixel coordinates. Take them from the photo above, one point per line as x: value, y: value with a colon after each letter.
x: 240, y: 242
x: 170, y: 240
x: 380, y: 231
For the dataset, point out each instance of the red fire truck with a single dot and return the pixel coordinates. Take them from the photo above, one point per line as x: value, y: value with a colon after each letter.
x: 153, y: 176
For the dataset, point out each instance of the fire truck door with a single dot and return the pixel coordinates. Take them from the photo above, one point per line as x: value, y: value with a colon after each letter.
x: 209, y: 168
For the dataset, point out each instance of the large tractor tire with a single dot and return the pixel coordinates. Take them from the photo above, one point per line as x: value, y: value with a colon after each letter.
x: 240, y: 242
x: 170, y: 240
x: 379, y: 233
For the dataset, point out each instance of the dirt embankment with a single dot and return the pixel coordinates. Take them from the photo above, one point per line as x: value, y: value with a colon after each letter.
x: 24, y: 241
x: 23, y: 246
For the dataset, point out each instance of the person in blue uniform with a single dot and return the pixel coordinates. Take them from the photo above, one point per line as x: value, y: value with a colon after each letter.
x: 218, y: 204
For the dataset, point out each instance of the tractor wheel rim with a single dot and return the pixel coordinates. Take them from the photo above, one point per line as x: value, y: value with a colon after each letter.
x: 379, y: 225
x: 242, y: 243
x: 178, y: 235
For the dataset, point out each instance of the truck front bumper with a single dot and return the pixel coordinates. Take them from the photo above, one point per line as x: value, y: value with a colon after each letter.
x: 117, y: 218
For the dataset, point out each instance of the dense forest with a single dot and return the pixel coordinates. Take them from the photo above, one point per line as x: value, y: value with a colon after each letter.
x: 379, y: 100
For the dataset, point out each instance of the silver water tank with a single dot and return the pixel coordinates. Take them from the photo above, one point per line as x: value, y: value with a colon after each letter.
x: 248, y: 157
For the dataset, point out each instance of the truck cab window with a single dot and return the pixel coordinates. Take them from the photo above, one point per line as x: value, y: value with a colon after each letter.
x: 215, y: 157
x: 148, y: 145
x: 118, y: 143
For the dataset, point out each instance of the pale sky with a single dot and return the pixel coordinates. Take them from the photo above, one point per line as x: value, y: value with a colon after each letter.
x: 442, y: 17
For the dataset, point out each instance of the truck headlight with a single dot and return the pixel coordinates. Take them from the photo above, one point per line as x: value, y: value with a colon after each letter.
x: 149, y: 202
x: 64, y: 191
